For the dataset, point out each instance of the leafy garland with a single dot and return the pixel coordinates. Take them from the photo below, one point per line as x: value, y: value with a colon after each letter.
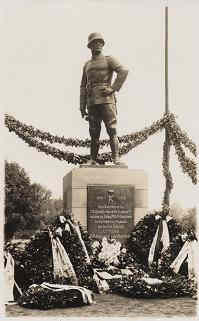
x: 167, y: 175
x: 14, y: 125
x: 177, y: 138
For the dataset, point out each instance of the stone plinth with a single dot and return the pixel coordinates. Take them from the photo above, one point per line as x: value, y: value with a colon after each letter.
x: 89, y: 192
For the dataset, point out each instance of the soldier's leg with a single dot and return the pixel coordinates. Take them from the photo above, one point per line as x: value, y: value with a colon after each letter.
x: 94, y: 130
x: 114, y: 144
x: 110, y: 120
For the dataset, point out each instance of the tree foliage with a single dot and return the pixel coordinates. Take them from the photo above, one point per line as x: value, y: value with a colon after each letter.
x: 24, y: 202
x: 50, y: 210
x: 189, y: 221
x: 186, y: 217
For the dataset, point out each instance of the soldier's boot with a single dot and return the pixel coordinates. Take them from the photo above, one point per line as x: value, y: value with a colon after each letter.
x: 93, y: 152
x: 114, y: 144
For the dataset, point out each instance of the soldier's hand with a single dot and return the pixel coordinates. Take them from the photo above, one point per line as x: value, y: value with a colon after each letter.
x: 85, y: 116
x: 106, y: 91
x: 83, y: 112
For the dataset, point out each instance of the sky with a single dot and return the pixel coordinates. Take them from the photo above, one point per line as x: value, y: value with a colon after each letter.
x: 45, y: 48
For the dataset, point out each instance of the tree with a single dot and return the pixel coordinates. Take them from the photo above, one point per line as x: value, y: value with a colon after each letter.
x: 17, y: 190
x: 177, y: 211
x: 24, y: 201
x: 52, y: 209
x: 190, y: 220
x: 40, y: 197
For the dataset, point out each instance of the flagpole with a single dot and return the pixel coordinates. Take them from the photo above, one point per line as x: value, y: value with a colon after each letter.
x: 166, y: 62
x: 167, y: 145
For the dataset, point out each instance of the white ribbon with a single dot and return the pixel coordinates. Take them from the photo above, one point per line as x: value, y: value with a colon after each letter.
x: 190, y: 261
x: 76, y: 228
x: 152, y: 281
x: 193, y: 258
x: 61, y: 262
x: 102, y: 284
x: 180, y: 257
x: 165, y: 236
x: 165, y: 239
x: 9, y: 278
x: 107, y: 276
x: 87, y: 295
x: 189, y: 250
x: 18, y: 288
x: 152, y: 248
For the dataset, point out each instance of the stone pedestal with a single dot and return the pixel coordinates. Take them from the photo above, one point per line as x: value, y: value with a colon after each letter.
x: 106, y: 200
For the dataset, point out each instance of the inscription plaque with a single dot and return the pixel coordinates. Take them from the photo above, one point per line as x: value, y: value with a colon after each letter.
x: 110, y: 211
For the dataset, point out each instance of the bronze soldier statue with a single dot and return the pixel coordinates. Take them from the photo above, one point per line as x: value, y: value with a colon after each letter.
x: 97, y: 95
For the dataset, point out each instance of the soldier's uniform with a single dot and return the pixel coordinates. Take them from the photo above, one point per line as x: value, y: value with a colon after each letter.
x: 97, y: 75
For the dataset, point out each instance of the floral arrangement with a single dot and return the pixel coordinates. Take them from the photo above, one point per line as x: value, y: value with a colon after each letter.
x: 34, y: 264
x: 123, y: 270
x: 45, y: 297
x: 140, y: 239
x: 169, y: 287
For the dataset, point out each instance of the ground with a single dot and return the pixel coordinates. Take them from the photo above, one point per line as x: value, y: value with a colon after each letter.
x: 111, y: 305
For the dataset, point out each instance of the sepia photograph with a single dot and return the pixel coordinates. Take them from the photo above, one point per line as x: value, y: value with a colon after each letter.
x: 100, y: 167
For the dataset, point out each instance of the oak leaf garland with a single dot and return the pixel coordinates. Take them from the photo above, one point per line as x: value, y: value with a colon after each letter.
x: 177, y: 138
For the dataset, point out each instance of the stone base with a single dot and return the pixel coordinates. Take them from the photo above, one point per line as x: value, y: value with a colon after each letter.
x: 78, y: 183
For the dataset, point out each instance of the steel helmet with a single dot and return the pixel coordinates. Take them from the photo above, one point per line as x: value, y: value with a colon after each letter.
x: 93, y: 36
